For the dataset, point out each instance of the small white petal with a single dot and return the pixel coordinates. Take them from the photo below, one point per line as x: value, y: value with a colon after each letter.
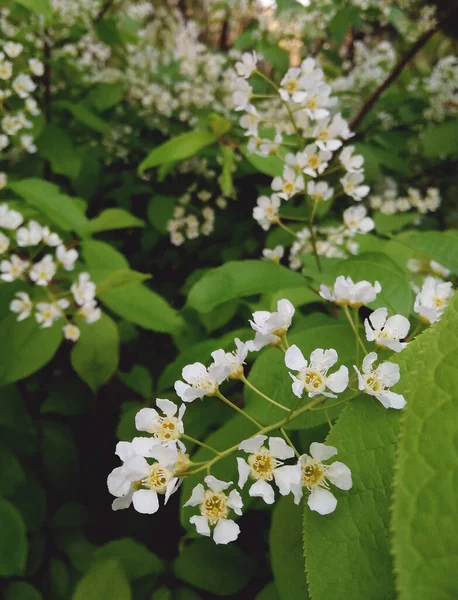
x: 253, y: 444
x: 392, y: 400
x: 244, y: 471
x: 143, y: 446
x: 368, y: 361
x: 124, y: 450
x: 320, y: 451
x: 262, y: 490
x: 123, y: 502
x: 294, y: 359
x: 280, y: 449
x: 197, y: 496
x: 145, y: 418
x: 340, y: 475
x: 216, y: 485
x: 234, y: 501
x: 338, y: 381
x: 286, y: 478
x: 378, y: 317
x: 145, y: 501
x: 168, y: 407
x: 226, y: 531
x: 201, y: 524
x: 322, y: 501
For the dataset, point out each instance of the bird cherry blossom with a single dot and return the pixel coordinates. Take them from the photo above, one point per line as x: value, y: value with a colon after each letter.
x: 264, y: 465
x: 233, y: 361
x: 289, y: 184
x: 165, y: 429
x: 266, y: 211
x: 247, y: 64
x: 432, y: 299
x: 71, y: 332
x: 319, y: 192
x: 215, y: 506
x: 274, y: 254
x: 351, y: 163
x: 352, y: 185
x: 346, y: 292
x: 200, y: 381
x: 387, y: 332
x: 313, y: 377
x: 377, y: 381
x: 22, y: 305
x: 271, y: 327
x: 357, y: 221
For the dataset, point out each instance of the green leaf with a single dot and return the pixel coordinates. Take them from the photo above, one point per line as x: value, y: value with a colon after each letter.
x: 135, y: 558
x: 83, y: 114
x: 106, y: 95
x: 178, y: 148
x: 138, y: 379
x: 67, y: 397
x: 160, y: 211
x: 424, y: 527
x: 59, y: 578
x: 56, y: 146
x: 346, y: 17
x: 114, y: 218
x: 59, y: 455
x: 238, y: 279
x: 58, y: 207
x: 441, y: 140
x: 95, y: 355
x: 276, y: 56
x: 396, y: 294
x: 40, y: 7
x: 349, y: 549
x: 104, y: 580
x: 223, y: 572
x: 120, y: 279
x: 30, y: 500
x: 269, y: 593
x: 225, y: 180
x: 286, y: 551
x: 299, y: 296
x: 13, y: 541
x: 388, y: 223
x: 71, y: 515
x: 441, y: 246
x: 102, y: 257
x: 29, y: 347
x: 12, y: 472
x: 269, y: 165
x: 270, y: 375
x: 20, y: 590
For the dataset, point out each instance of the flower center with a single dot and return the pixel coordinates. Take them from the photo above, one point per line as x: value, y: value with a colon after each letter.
x: 214, y: 508
x: 288, y: 187
x: 317, y: 197
x: 313, y: 161
x: 168, y: 430
x: 374, y: 384
x: 262, y: 465
x: 439, y: 302
x: 158, y: 478
x: 323, y: 135
x: 313, y: 474
x: 313, y: 380
x: 291, y: 85
x: 312, y: 103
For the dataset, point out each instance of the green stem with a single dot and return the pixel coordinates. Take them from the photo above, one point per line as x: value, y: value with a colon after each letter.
x: 290, y: 443
x: 188, y: 438
x: 286, y: 228
x: 355, y: 331
x: 255, y: 389
x: 312, y: 236
x: 239, y: 410
x: 356, y: 322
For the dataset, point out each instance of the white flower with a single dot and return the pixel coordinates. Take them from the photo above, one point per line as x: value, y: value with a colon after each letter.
x: 27, y: 143
x: 21, y: 305
x: 214, y: 506
x: 84, y: 289
x: 31, y: 106
x: 319, y: 192
x: 140, y: 483
x: 13, y: 49
x: 36, y: 66
x: 90, y: 311
x: 274, y: 255
x: 327, y: 133
x: 10, y: 219
x: 50, y: 238
x: 200, y: 381
x: 29, y: 236
x: 47, y: 313
x: 289, y: 184
x: 23, y: 85
x: 247, y: 64
x: 315, y: 477
x: 439, y: 269
x: 242, y: 94
x: 266, y: 211
x: 4, y: 243
x: 348, y: 293
x: 250, y: 121
x: 351, y: 185
x: 387, y: 333
x: 232, y: 361
x: 166, y: 429
x: 313, y: 377
x: 293, y: 85
x: 13, y: 269
x: 43, y: 271
x: 264, y: 465
x: 315, y: 160
x: 357, y: 221
x: 432, y: 299
x: 6, y: 70
x: 66, y: 258
x: 271, y: 327
x: 71, y: 332
x: 376, y: 382
x: 352, y: 164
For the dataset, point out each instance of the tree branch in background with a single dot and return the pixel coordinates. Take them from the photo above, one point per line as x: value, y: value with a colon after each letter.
x: 398, y: 69
x: 102, y: 12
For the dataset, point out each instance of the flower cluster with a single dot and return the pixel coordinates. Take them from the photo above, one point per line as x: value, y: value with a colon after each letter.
x: 34, y: 254
x: 390, y: 202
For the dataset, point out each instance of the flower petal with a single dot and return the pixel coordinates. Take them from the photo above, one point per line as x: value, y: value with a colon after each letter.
x: 201, y: 525
x: 145, y: 418
x: 286, y: 477
x: 280, y: 449
x: 216, y: 485
x: 234, y: 501
x: 340, y: 475
x: 244, y: 471
x: 226, y: 531
x: 168, y: 407
x: 378, y: 318
x: 338, y: 381
x: 262, y: 489
x: 253, y: 444
x: 321, y: 452
x: 294, y: 359
x: 392, y: 400
x: 368, y: 361
x: 322, y: 501
x: 145, y: 501
x: 197, y: 496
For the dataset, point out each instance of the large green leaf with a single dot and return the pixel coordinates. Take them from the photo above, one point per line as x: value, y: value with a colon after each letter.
x: 59, y: 455
x: 135, y: 558
x: 238, y: 279
x: 223, y: 571
x: 178, y: 148
x: 29, y: 347
x: 13, y: 541
x: 424, y: 524
x: 270, y: 375
x: 347, y: 552
x: 106, y: 95
x: 20, y: 590
x: 84, y: 115
x: 57, y: 146
x: 40, y: 7
x: 11, y: 470
x: 120, y: 278
x: 269, y: 165
x: 95, y: 355
x: 114, y: 218
x: 105, y: 579
x: 441, y: 139
x: 441, y: 246
x: 58, y: 207
x: 396, y: 294
x: 286, y: 551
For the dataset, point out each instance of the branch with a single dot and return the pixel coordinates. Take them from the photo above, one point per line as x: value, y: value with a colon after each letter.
x: 105, y: 8
x: 398, y: 69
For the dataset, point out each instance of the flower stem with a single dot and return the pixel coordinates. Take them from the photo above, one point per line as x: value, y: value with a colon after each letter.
x: 199, y: 443
x: 354, y: 327
x: 255, y: 389
x: 286, y: 228
x: 239, y: 410
x: 312, y: 235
